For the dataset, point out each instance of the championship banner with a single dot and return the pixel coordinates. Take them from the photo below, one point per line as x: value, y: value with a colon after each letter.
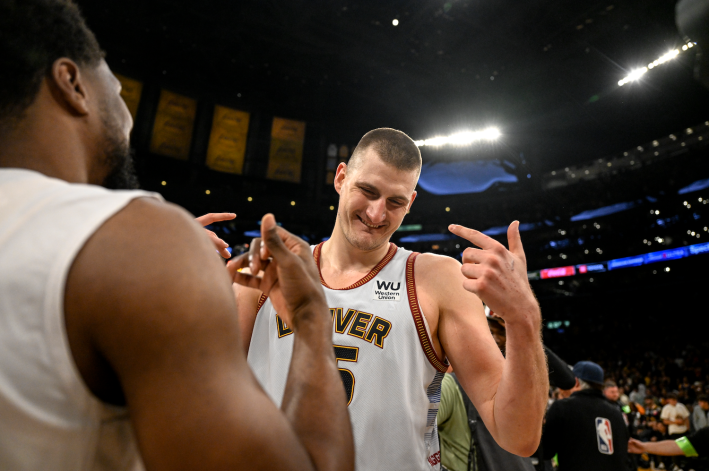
x: 130, y: 92
x: 172, y: 133
x: 227, y: 142
x: 286, y: 155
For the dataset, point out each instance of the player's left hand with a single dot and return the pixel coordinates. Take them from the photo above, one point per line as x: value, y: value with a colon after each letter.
x: 499, y: 276
x: 210, y: 218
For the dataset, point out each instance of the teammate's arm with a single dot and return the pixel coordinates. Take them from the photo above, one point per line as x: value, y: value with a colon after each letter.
x: 509, y: 393
x: 159, y: 320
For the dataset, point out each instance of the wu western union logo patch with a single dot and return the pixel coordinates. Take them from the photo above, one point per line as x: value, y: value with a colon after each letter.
x: 386, y: 291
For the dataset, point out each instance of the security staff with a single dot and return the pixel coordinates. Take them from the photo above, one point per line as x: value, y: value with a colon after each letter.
x: 586, y: 431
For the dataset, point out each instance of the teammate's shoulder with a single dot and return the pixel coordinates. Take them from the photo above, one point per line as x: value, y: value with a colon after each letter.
x: 146, y: 216
x: 153, y: 207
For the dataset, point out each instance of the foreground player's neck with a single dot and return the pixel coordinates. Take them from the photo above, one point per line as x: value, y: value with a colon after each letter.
x: 340, y: 255
x: 46, y: 141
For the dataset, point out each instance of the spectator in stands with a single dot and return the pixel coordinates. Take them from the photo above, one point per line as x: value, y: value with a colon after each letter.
x: 585, y: 431
x: 676, y: 416
x: 652, y: 410
x: 700, y: 418
x: 636, y: 395
x: 622, y: 397
x: 610, y: 390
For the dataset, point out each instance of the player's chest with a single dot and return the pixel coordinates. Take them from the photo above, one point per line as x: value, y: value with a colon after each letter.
x: 376, y: 313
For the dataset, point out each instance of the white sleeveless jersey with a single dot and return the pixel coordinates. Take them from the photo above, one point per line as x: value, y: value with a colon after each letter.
x: 391, y: 373
x: 49, y: 420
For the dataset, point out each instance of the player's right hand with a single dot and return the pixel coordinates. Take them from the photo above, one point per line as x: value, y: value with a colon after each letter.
x: 498, y: 276
x: 289, y: 276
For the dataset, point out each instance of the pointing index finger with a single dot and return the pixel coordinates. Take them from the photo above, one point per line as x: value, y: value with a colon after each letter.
x: 471, y: 235
x: 208, y: 219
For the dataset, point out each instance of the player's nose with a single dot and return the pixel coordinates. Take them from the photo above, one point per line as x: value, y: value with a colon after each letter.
x: 376, y: 211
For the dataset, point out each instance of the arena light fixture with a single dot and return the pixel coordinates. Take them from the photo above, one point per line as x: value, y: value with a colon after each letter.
x: 637, y: 73
x: 464, y: 138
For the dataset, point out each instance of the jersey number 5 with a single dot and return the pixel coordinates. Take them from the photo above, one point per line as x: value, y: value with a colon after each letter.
x: 343, y: 353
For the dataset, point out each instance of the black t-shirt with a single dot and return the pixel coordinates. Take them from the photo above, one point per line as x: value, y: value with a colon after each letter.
x: 587, y: 432
x: 700, y: 441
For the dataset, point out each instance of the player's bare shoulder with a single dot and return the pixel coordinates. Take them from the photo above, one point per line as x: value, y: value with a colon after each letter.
x: 436, y: 270
x: 439, y: 278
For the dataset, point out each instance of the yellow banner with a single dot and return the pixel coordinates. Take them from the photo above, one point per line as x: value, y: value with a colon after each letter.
x: 172, y: 133
x: 286, y: 155
x: 227, y: 142
x: 130, y: 92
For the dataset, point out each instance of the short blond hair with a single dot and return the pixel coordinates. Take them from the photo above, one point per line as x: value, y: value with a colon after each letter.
x: 392, y: 146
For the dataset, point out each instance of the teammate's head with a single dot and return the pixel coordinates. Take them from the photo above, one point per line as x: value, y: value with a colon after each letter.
x: 52, y: 69
x: 377, y: 187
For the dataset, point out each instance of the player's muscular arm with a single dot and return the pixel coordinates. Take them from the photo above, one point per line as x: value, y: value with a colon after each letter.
x: 164, y: 323
x: 509, y: 393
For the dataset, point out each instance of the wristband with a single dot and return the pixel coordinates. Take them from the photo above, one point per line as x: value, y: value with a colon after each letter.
x: 686, y: 446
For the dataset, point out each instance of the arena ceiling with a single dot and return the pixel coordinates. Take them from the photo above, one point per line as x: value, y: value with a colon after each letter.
x: 544, y: 71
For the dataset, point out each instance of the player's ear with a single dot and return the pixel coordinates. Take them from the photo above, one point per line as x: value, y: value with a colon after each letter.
x: 69, y: 86
x: 413, y: 198
x: 340, y: 176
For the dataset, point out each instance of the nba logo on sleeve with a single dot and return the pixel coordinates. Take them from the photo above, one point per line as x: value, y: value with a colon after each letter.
x: 604, y: 434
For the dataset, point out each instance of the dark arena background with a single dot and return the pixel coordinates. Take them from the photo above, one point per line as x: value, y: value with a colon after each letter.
x: 584, y: 121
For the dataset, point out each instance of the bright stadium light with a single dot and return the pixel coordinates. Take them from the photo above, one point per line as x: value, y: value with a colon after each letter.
x: 637, y: 73
x: 465, y: 138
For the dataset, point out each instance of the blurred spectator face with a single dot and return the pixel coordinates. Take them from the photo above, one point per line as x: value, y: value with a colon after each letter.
x: 611, y: 393
x: 704, y: 405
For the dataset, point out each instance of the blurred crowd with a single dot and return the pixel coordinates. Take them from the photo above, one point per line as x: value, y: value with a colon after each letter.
x: 661, y: 396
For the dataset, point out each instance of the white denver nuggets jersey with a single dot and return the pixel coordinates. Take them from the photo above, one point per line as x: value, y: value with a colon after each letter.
x: 391, y: 373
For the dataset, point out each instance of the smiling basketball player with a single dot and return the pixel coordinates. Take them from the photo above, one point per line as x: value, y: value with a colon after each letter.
x: 399, y: 317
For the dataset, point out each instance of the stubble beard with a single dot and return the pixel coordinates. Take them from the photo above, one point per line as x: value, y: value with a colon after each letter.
x: 117, y: 157
x: 356, y: 242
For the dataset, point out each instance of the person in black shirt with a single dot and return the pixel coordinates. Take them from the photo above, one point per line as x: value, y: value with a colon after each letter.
x: 586, y: 431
